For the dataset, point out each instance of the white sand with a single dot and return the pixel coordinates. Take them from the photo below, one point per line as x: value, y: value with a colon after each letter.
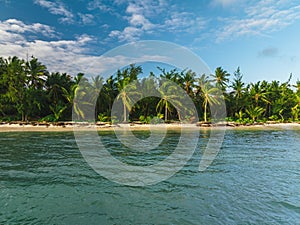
x: 52, y: 128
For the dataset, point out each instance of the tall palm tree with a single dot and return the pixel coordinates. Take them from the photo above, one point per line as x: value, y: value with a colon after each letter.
x: 54, y: 87
x: 127, y: 91
x: 172, y: 75
x: 169, y: 98
x: 97, y: 84
x: 108, y: 94
x: 149, y: 90
x: 81, y: 97
x: 187, y: 80
x: 16, y: 79
x: 127, y: 82
x: 210, y: 96
x: 221, y: 78
x: 258, y: 92
x: 36, y: 73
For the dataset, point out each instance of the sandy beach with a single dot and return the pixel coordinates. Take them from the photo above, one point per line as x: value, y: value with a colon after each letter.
x: 6, y: 127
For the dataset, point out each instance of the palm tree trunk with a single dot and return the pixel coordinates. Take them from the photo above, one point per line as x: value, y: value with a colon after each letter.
x: 205, y: 107
x: 124, y: 112
x: 166, y: 112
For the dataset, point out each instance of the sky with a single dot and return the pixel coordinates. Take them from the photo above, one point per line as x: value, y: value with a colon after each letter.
x: 260, y: 37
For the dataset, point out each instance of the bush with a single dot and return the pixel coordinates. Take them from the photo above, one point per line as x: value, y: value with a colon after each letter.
x: 103, y: 118
x: 49, y: 118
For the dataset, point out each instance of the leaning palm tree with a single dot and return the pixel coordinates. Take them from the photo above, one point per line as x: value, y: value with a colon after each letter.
x: 80, y: 97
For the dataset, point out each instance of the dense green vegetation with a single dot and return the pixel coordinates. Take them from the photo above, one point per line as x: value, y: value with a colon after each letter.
x: 29, y: 92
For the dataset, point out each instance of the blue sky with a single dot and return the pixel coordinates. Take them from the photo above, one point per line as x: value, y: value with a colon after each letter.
x: 262, y: 37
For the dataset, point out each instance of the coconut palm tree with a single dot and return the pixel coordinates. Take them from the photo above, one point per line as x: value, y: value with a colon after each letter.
x: 172, y: 75
x: 258, y: 92
x: 127, y: 92
x: 127, y: 86
x: 221, y: 78
x: 36, y: 73
x: 16, y: 79
x: 254, y: 112
x: 107, y: 95
x: 210, y: 95
x: 296, y: 109
x: 169, y: 98
x: 149, y: 89
x: 187, y: 80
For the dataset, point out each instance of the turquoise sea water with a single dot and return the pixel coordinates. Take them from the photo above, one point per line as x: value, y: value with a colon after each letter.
x: 255, y: 179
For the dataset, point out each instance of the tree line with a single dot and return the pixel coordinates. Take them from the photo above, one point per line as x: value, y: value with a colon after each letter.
x: 28, y: 91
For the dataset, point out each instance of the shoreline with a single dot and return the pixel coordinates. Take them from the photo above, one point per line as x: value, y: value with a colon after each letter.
x: 71, y: 127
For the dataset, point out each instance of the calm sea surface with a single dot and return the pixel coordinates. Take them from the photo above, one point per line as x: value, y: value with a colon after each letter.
x: 255, y: 179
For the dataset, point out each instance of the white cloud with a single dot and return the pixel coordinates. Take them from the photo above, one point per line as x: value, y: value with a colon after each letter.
x: 12, y: 29
x: 86, y: 18
x: 70, y: 56
x: 98, y: 4
x: 224, y: 3
x: 142, y: 18
x: 57, y: 8
x: 261, y: 18
x: 138, y: 24
x: 59, y: 55
x: 184, y: 22
x: 128, y: 34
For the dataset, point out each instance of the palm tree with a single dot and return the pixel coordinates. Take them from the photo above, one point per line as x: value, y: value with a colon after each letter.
x: 297, y: 86
x: 36, y: 73
x: 296, y: 108
x: 187, y: 80
x: 221, y: 78
x: 149, y: 89
x: 171, y: 75
x: 55, y: 84
x: 210, y: 95
x: 127, y: 91
x: 254, y: 112
x: 81, y: 97
x: 107, y: 95
x: 127, y: 86
x: 15, y: 79
x: 57, y: 111
x: 97, y: 84
x: 258, y: 92
x: 169, y: 98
